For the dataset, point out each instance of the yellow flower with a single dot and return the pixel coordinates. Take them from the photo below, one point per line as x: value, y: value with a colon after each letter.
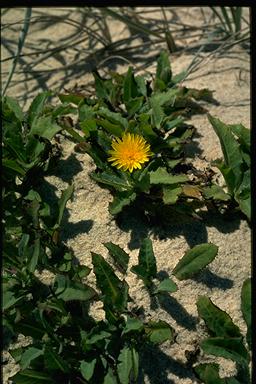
x: 129, y: 152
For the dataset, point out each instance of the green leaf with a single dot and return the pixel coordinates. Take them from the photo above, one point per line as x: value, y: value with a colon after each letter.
x: 159, y: 331
x: 227, y: 347
x: 45, y: 127
x: 121, y: 200
x: 12, y: 165
x: 95, y: 336
x: 134, y: 106
x: 34, y: 150
x: 13, y: 142
x: 243, y: 134
x: 129, y: 86
x: 37, y: 106
x: 115, y: 118
x: 88, y: 126
x: 86, y: 112
x: 30, y: 354
x: 135, y: 364
x: 243, y: 194
x: 111, y: 128
x: 163, y: 70
x: 171, y: 193
x: 23, y: 245
x: 246, y: 308
x: 110, y: 378
x: 125, y: 367
x: 194, y: 260
x: 157, y: 113
x: 120, y: 257
x: 167, y: 285
x: 101, y: 86
x: 161, y: 176
x: 65, y: 196
x: 87, y: 368
x: 218, y: 321
x: 230, y: 148
x: 228, y: 175
x: 112, y: 180
x: 54, y: 362
x: 215, y: 192
x: 83, y: 270
x: 69, y: 290
x: 32, y: 264
x: 14, y: 107
x: 115, y: 291
x: 132, y: 324
x: 146, y: 269
x: 209, y: 373
x: 170, y: 124
x: 63, y: 109
x: 30, y: 376
x: 141, y: 85
x: 70, y: 98
x: 9, y: 299
x: 30, y: 328
x: 157, y: 101
x: 179, y: 77
x: 16, y: 353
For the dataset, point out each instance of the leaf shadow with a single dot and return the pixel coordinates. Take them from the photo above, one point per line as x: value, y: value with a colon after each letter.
x: 177, y: 312
x: 132, y: 219
x: 211, y: 280
x: 163, y: 365
x: 66, y: 169
x: 67, y: 230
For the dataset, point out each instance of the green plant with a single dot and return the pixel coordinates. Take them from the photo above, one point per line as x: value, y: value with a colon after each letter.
x: 152, y: 112
x: 226, y: 340
x: 235, y: 142
x: 194, y: 260
x: 68, y: 344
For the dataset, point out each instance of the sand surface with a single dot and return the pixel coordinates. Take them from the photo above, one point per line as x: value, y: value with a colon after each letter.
x: 88, y: 224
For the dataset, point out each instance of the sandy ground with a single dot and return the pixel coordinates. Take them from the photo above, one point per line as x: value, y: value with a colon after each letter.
x: 87, y: 221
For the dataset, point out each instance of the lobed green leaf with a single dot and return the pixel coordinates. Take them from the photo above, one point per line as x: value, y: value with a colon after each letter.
x: 121, y: 200
x: 146, y: 269
x: 162, y: 176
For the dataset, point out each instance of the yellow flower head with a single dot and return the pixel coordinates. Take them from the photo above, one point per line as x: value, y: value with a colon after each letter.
x: 129, y: 152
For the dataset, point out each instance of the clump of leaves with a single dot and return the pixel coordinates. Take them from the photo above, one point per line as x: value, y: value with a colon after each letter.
x: 236, y: 166
x: 152, y: 112
x: 194, y: 260
x: 226, y: 340
x: 68, y: 344
x: 30, y: 224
